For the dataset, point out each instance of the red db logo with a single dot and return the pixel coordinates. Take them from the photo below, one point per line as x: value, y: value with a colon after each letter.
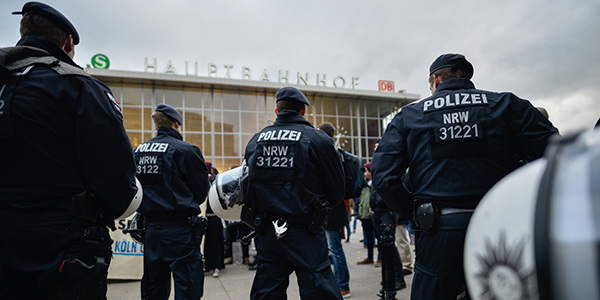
x: 386, y: 85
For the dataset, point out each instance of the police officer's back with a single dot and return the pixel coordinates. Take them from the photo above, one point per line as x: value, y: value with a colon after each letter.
x: 176, y: 181
x: 458, y: 143
x: 294, y: 176
x: 67, y: 169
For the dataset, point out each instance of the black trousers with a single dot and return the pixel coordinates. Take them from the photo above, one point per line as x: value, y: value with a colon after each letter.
x: 300, y: 251
x: 172, y: 249
x: 237, y: 232
x: 213, y: 244
x: 439, y: 270
x: 388, y: 217
x: 33, y: 246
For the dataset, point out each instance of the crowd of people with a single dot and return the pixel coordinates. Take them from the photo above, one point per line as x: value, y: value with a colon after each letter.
x: 433, y: 164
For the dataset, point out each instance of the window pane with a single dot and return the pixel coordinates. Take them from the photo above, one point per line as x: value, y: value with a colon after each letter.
x: 344, y: 106
x: 260, y: 102
x: 373, y: 128
x: 132, y: 95
x: 218, y: 123
x: 206, y: 98
x: 329, y: 106
x: 371, y: 109
x: 250, y: 122
x: 147, y: 135
x: 230, y: 145
x: 148, y: 119
x: 217, y: 99
x: 270, y: 102
x: 218, y: 145
x: 206, y: 149
x: 316, y: 108
x: 231, y: 100
x: 231, y: 121
x: 132, y: 118
x: 173, y: 97
x: 193, y: 120
x: 245, y: 139
x: 147, y: 94
x: 248, y: 102
x: 193, y: 98
x: 194, y: 139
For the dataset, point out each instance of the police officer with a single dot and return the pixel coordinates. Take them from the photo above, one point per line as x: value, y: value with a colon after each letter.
x: 175, y: 178
x: 67, y: 166
x: 458, y: 143
x: 294, y: 177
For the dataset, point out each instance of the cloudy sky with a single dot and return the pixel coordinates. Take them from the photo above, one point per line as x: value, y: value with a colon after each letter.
x: 546, y: 51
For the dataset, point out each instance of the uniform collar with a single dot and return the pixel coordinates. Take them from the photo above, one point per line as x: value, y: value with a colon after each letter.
x: 291, y: 116
x: 170, y: 132
x: 455, y: 84
x: 47, y: 45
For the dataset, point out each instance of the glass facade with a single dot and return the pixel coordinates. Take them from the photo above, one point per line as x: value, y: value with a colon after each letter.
x: 220, y: 120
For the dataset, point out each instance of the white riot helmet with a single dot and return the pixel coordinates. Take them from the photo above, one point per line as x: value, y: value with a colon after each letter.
x: 226, y: 195
x: 536, y: 233
x: 135, y: 202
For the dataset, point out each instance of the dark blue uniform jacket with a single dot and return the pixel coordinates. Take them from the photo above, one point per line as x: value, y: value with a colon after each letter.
x: 61, y: 133
x: 458, y: 143
x: 173, y: 174
x: 290, y: 163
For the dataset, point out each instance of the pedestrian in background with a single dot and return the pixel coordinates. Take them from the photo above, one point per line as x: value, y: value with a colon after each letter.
x: 337, y: 219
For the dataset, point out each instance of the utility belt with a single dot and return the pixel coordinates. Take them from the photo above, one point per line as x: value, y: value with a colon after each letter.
x: 427, y: 215
x: 197, y: 223
x: 169, y: 220
x: 313, y: 221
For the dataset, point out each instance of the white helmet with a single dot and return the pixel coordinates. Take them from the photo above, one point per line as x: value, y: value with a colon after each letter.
x: 135, y: 202
x: 535, y: 234
x: 226, y: 195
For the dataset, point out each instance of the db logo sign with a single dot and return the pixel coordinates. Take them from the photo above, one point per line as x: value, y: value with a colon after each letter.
x: 386, y: 85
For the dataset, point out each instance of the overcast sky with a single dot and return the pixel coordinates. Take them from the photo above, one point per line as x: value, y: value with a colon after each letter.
x: 545, y: 51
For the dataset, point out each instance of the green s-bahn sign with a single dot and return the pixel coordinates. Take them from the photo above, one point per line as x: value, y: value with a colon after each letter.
x: 100, y: 61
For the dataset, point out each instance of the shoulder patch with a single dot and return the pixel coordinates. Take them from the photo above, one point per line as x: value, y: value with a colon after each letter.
x: 114, y: 102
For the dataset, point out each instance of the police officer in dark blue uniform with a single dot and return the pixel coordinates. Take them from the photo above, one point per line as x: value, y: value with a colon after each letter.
x: 294, y: 178
x: 458, y: 143
x: 175, y: 178
x: 67, y: 166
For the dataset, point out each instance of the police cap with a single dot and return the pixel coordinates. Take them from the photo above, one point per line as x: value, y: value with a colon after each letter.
x: 38, y: 8
x: 170, y: 112
x: 451, y: 60
x: 291, y: 93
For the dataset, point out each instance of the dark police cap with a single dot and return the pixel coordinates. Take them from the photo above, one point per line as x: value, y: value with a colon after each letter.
x: 451, y: 60
x: 170, y: 112
x: 38, y: 8
x: 291, y: 93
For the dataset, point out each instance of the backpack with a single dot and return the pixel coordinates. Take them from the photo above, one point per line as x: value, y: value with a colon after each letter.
x: 354, y: 174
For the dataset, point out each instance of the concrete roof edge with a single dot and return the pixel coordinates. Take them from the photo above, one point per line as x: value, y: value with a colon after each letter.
x: 175, y: 78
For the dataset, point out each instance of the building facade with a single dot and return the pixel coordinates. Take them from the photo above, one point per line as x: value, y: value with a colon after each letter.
x: 222, y: 114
